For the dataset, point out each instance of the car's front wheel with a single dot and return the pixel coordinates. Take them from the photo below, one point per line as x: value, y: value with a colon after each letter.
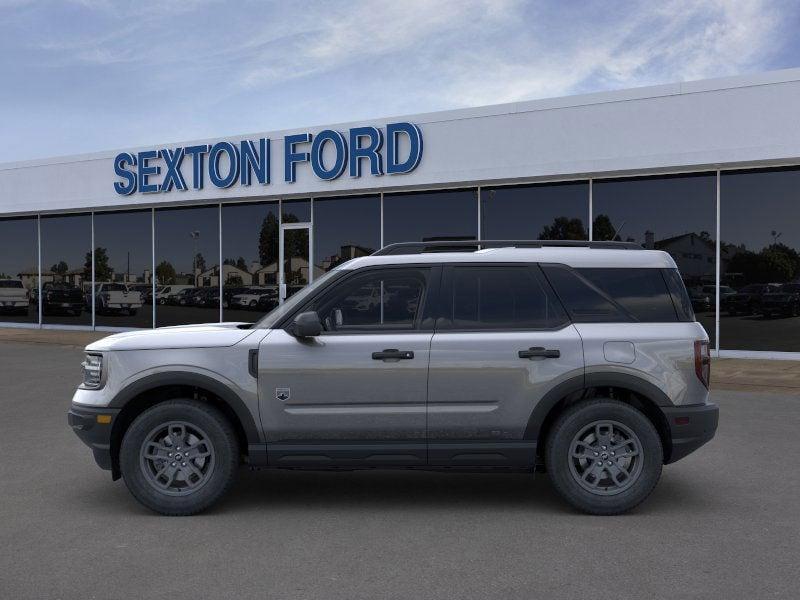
x: 179, y: 457
x: 604, y: 456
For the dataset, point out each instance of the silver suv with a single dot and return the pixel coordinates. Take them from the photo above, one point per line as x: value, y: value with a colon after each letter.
x: 581, y: 359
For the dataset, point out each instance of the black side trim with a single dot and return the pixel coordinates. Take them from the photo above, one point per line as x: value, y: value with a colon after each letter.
x: 548, y: 401
x: 631, y: 382
x: 576, y: 384
x: 195, y: 380
x: 252, y: 362
x: 354, y: 454
x: 482, y: 453
x: 690, y: 427
x: 97, y: 436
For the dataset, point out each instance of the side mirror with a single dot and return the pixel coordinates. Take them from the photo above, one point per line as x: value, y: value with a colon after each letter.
x: 306, y: 325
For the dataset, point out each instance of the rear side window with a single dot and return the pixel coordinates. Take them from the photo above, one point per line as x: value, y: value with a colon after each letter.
x: 680, y: 297
x: 501, y: 298
x: 642, y: 292
x: 617, y: 295
x: 585, y: 302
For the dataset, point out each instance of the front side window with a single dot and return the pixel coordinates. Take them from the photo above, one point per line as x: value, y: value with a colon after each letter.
x: 388, y: 299
x: 501, y: 298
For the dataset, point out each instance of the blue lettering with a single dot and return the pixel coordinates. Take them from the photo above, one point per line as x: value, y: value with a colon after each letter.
x: 290, y: 157
x: 393, y: 132
x: 146, y: 170
x: 122, y: 159
x: 317, y: 149
x: 173, y: 176
x: 254, y: 162
x: 213, y: 164
x: 371, y: 151
x: 197, y: 153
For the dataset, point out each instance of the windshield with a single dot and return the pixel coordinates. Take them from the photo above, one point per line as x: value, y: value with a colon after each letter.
x: 293, y: 302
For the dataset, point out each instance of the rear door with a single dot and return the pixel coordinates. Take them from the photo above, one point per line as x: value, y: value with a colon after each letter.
x: 502, y: 341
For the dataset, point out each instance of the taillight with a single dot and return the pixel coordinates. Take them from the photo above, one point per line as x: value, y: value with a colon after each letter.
x: 702, y: 361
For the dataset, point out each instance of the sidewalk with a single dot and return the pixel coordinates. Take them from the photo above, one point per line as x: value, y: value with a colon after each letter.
x: 758, y: 375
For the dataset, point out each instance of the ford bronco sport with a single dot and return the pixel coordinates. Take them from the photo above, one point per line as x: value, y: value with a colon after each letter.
x: 580, y: 359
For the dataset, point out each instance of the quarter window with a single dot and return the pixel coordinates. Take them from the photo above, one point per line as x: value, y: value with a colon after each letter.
x: 502, y: 298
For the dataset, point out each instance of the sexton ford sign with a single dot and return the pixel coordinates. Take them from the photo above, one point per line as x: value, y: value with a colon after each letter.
x: 225, y: 164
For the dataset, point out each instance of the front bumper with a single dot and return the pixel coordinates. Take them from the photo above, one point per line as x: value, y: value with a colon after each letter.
x: 96, y: 435
x: 690, y: 427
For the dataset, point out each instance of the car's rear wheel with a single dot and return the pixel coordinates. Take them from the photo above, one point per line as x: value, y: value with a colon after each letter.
x: 179, y: 457
x: 604, y: 456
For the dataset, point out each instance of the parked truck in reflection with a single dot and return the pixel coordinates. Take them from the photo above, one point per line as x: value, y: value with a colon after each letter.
x: 14, y: 298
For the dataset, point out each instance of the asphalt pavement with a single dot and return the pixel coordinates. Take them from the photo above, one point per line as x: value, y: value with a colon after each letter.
x: 723, y: 523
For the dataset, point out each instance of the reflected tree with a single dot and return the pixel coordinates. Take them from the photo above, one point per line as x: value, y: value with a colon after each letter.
x: 268, y: 241
x: 564, y: 228
x: 165, y: 273
x: 604, y: 230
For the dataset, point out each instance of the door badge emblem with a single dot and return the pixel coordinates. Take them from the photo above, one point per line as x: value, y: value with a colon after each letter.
x: 283, y: 394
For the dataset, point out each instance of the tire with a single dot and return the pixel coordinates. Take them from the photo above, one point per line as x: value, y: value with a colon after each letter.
x: 253, y: 303
x: 637, y: 475
x: 206, y: 430
x: 132, y: 312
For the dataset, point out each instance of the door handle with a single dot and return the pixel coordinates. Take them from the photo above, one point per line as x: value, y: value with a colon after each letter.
x: 539, y: 352
x: 392, y: 353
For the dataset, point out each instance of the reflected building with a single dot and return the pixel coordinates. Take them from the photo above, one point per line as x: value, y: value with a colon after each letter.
x: 664, y: 168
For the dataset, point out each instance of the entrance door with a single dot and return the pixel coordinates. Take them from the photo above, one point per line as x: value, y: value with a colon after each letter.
x: 295, y: 270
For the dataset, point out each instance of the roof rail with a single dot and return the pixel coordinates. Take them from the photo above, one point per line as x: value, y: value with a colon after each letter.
x: 474, y: 245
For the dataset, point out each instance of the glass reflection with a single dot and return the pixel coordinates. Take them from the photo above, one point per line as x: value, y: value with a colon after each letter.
x: 187, y: 265
x: 250, y: 260
x: 760, y: 260
x: 19, y: 270
x: 430, y: 216
x: 123, y: 265
x: 345, y: 228
x: 676, y: 214
x: 66, y: 269
x: 552, y: 211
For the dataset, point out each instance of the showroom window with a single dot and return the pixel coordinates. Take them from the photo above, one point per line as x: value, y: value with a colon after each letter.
x: 759, y: 254
x: 345, y: 228
x: 187, y: 265
x: 553, y: 211
x: 249, y: 260
x: 677, y: 214
x: 123, y: 265
x: 429, y: 216
x: 19, y: 270
x: 66, y: 269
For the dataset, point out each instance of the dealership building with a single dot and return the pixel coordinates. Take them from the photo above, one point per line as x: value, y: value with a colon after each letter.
x: 223, y: 229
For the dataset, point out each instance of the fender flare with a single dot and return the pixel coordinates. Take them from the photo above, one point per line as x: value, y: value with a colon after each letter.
x: 590, y: 380
x: 219, y: 389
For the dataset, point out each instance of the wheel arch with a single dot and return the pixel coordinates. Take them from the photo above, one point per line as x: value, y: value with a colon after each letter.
x: 154, y: 389
x: 630, y: 389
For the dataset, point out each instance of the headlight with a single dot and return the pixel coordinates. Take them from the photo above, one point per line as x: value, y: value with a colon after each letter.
x: 92, y: 371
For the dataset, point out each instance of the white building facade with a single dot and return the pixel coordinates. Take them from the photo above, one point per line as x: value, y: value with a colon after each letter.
x: 708, y: 171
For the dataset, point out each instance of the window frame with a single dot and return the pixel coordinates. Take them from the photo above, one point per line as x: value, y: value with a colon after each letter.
x: 426, y: 317
x: 443, y: 322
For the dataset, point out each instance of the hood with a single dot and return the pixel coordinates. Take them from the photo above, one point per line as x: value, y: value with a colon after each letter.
x: 206, y: 335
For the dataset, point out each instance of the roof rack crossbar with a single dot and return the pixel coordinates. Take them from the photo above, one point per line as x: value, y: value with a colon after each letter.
x: 474, y: 245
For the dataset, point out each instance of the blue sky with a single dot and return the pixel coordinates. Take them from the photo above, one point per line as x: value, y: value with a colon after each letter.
x: 89, y: 75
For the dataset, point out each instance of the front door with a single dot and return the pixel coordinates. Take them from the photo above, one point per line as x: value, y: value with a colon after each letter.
x: 501, y: 343
x: 355, y: 394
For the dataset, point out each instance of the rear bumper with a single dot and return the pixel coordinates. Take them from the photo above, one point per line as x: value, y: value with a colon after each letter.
x: 690, y: 427
x: 83, y: 420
